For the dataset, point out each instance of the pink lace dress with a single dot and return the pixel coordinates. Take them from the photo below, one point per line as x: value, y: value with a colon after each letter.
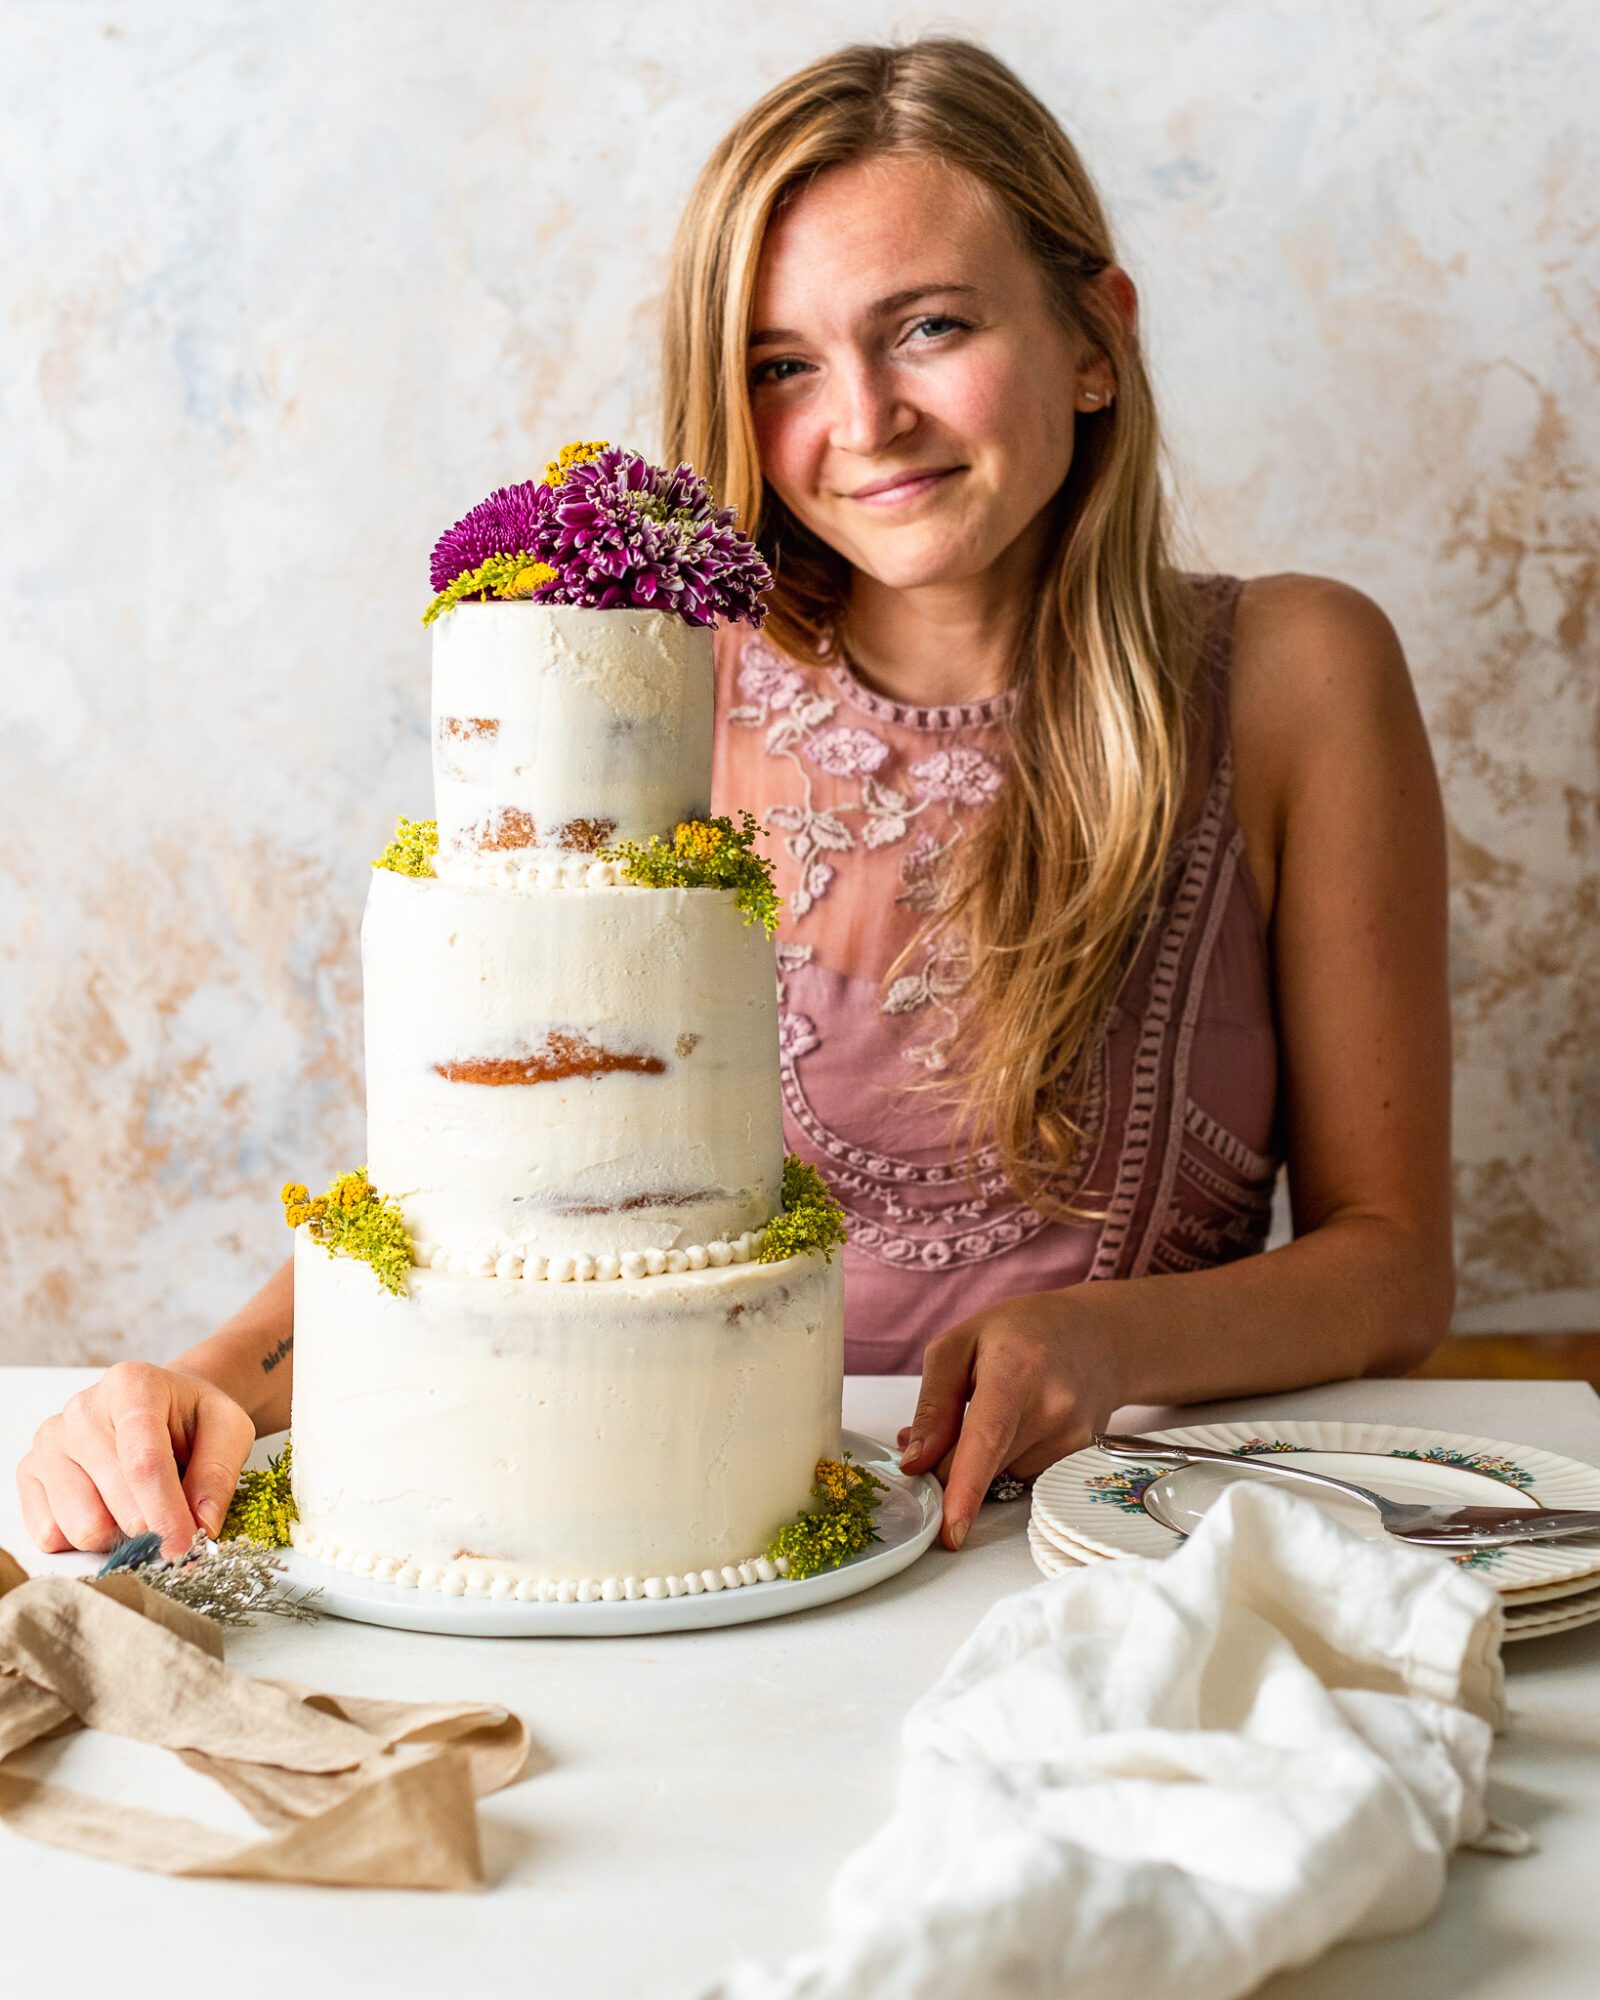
x: 860, y: 797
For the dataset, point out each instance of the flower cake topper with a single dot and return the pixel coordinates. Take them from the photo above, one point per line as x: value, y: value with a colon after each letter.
x: 607, y: 530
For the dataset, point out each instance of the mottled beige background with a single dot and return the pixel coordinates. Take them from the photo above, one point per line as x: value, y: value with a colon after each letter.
x: 286, y: 287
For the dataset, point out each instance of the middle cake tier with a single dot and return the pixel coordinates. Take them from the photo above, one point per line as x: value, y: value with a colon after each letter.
x: 569, y: 1072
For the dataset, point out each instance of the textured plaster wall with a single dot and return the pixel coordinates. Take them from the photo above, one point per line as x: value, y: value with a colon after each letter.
x: 284, y: 287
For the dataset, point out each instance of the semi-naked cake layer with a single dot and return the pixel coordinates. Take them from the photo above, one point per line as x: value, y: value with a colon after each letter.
x: 554, y: 1073
x: 558, y: 730
x: 486, y: 1436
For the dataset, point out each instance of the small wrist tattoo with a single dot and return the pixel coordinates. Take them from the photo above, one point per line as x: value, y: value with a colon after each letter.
x: 271, y: 1360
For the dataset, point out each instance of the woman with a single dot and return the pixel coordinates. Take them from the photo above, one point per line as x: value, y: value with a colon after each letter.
x: 1110, y: 886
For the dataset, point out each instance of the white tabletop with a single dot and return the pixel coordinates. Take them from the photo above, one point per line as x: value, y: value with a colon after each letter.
x: 698, y: 1790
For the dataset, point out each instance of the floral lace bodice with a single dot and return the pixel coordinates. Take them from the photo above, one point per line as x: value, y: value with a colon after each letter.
x: 861, y: 796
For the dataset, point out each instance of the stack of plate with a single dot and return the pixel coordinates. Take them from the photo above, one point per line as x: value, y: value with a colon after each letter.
x: 1092, y: 1508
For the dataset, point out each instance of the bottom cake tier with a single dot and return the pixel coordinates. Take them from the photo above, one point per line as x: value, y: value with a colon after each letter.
x: 639, y: 1437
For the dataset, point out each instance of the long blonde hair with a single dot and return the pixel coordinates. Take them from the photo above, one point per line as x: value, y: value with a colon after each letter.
x: 1057, y: 887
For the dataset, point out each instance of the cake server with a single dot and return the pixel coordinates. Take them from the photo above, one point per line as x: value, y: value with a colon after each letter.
x: 1436, y: 1527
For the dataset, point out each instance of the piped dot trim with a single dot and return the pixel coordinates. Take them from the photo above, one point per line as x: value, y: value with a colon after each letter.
x: 505, y: 1259
x: 502, y: 1586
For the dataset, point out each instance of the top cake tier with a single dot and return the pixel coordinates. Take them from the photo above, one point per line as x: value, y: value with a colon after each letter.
x: 559, y: 730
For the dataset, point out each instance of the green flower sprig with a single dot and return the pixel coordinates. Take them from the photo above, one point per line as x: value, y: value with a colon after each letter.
x: 840, y: 1526
x: 497, y: 576
x: 353, y: 1220
x: 706, y: 854
x: 262, y: 1508
x: 811, y: 1218
x: 411, y: 852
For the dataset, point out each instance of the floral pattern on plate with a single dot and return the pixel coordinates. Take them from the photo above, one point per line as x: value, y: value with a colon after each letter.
x: 1092, y: 1503
x: 1504, y: 1469
x: 1127, y: 1486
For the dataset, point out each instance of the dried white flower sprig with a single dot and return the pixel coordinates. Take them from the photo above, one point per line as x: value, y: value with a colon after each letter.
x: 229, y: 1582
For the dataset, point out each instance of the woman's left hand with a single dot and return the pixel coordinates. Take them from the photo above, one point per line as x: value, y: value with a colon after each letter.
x: 1035, y: 1380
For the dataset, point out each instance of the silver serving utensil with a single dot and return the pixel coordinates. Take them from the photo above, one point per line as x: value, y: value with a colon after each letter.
x: 1435, y: 1527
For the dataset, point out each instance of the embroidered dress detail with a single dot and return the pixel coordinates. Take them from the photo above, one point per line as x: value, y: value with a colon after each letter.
x: 863, y: 798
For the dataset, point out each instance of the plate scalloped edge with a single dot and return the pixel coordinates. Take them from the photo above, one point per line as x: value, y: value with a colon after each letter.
x: 1062, y: 1502
x: 1051, y: 1564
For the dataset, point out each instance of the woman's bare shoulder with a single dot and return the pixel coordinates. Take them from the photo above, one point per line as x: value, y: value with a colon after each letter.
x: 1318, y: 678
x: 1309, y: 651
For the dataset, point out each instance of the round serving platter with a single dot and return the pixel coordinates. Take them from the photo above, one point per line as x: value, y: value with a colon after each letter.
x: 907, y: 1521
x: 1093, y: 1508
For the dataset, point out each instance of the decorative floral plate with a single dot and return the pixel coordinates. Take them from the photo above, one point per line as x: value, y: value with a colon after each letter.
x: 1091, y: 1506
x: 907, y: 1522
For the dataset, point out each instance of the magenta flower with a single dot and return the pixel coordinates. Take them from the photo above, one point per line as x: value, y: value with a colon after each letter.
x: 847, y: 753
x: 619, y: 532
x: 510, y: 522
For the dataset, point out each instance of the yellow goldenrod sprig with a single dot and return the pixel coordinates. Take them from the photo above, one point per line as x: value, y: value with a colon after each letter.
x: 353, y: 1220
x: 496, y: 576
x: 811, y: 1218
x: 262, y: 1508
x: 706, y: 854
x: 411, y: 852
x: 840, y: 1526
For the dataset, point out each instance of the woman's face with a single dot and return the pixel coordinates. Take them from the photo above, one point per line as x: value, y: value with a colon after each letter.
x: 912, y: 390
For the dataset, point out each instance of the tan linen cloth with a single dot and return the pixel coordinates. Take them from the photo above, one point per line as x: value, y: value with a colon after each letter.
x: 373, y: 1794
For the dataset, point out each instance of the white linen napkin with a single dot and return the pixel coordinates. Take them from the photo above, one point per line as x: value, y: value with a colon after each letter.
x: 1191, y: 1772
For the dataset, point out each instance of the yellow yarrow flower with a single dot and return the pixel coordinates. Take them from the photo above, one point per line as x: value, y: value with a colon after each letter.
x: 833, y: 1479
x: 571, y: 455
x: 353, y: 1220
x: 695, y: 840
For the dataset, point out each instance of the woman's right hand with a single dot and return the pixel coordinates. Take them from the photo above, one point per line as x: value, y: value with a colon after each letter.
x: 142, y: 1448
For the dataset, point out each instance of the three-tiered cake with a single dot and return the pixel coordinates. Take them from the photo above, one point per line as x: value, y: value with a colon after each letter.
x: 588, y: 1383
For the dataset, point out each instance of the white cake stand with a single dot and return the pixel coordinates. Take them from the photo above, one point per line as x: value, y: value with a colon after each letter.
x: 907, y: 1522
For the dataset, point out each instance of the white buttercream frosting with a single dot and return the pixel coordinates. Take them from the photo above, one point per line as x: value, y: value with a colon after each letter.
x: 639, y: 1428
x: 552, y: 723
x: 678, y: 1144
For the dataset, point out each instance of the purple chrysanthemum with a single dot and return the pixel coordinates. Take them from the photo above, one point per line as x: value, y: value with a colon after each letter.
x: 628, y: 532
x: 505, y: 524
x: 619, y: 531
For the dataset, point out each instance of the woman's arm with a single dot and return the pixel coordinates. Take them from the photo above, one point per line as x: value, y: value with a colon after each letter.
x: 1340, y: 806
x: 162, y: 1448
x: 251, y: 1356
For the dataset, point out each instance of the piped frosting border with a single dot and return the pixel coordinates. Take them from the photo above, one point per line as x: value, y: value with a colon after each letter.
x: 504, y: 1259
x: 454, y: 1580
x: 526, y: 869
